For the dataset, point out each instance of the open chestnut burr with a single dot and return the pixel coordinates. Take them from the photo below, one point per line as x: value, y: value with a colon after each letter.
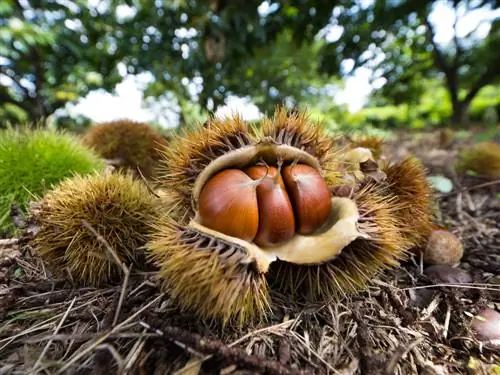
x: 248, y: 206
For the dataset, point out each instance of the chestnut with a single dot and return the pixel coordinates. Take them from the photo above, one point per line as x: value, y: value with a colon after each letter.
x: 276, y: 218
x: 265, y: 204
x: 228, y: 204
x: 310, y: 196
x: 486, y: 325
x: 444, y: 248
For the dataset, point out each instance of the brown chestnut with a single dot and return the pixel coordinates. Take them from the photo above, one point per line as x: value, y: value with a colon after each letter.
x: 444, y: 248
x: 228, y: 204
x: 486, y: 325
x: 448, y: 274
x: 310, y: 196
x: 276, y: 217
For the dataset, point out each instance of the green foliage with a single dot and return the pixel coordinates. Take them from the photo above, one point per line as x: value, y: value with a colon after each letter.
x: 404, y: 35
x: 32, y: 160
x: 199, y: 53
x: 136, y: 145
x: 486, y: 106
x: 53, y: 52
x: 433, y: 109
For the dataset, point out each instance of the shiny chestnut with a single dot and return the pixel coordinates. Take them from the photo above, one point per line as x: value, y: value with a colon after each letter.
x: 265, y: 204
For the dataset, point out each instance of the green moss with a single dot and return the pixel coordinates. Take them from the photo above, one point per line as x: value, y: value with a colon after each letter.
x: 34, y: 160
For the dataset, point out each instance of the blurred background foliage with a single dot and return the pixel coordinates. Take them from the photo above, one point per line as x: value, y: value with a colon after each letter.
x: 291, y: 52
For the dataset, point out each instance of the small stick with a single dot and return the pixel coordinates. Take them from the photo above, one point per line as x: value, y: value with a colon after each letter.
x: 125, y: 269
x: 462, y: 286
x: 8, y: 241
x: 61, y: 322
x: 485, y: 184
x: 235, y: 342
x: 150, y: 189
x: 123, y: 292
x: 106, y: 245
x: 202, y: 344
x: 447, y: 321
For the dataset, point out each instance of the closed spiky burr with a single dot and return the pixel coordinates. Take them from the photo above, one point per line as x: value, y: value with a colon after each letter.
x: 132, y: 145
x: 83, y: 215
x: 215, y: 256
x: 407, y: 181
x: 482, y: 159
x: 373, y: 143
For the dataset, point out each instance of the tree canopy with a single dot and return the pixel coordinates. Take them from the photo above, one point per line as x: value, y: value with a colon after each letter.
x: 397, y: 39
x: 286, y: 51
x: 53, y: 52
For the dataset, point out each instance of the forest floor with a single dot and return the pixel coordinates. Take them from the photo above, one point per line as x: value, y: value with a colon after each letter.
x: 405, y: 323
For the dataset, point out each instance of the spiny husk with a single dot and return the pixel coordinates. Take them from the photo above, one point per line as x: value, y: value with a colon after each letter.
x: 359, y: 262
x: 406, y: 180
x: 117, y: 206
x: 212, y: 277
x: 298, y: 130
x: 188, y: 155
x: 483, y: 159
x: 134, y: 144
x: 373, y: 143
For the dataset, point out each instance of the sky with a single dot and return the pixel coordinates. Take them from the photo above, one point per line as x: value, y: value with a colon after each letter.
x: 127, y: 100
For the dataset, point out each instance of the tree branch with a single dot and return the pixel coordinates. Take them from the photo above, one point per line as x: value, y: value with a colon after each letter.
x: 487, y: 77
x: 449, y: 72
x: 458, y: 47
x: 15, y: 79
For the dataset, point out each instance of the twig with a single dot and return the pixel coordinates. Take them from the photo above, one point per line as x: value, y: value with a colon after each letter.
x: 106, y: 245
x: 125, y: 269
x: 86, y: 337
x: 447, y: 321
x: 105, y: 336
x: 147, y: 184
x: 122, y: 294
x: 400, y: 352
x: 218, y: 348
x: 235, y: 342
x: 484, y: 184
x: 61, y: 322
x: 134, y: 352
x: 463, y: 286
x: 8, y: 241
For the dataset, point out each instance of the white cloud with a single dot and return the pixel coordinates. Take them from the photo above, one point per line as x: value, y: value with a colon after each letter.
x: 100, y: 105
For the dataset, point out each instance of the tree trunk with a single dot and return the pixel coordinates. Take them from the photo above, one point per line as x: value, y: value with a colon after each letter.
x: 460, y: 115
